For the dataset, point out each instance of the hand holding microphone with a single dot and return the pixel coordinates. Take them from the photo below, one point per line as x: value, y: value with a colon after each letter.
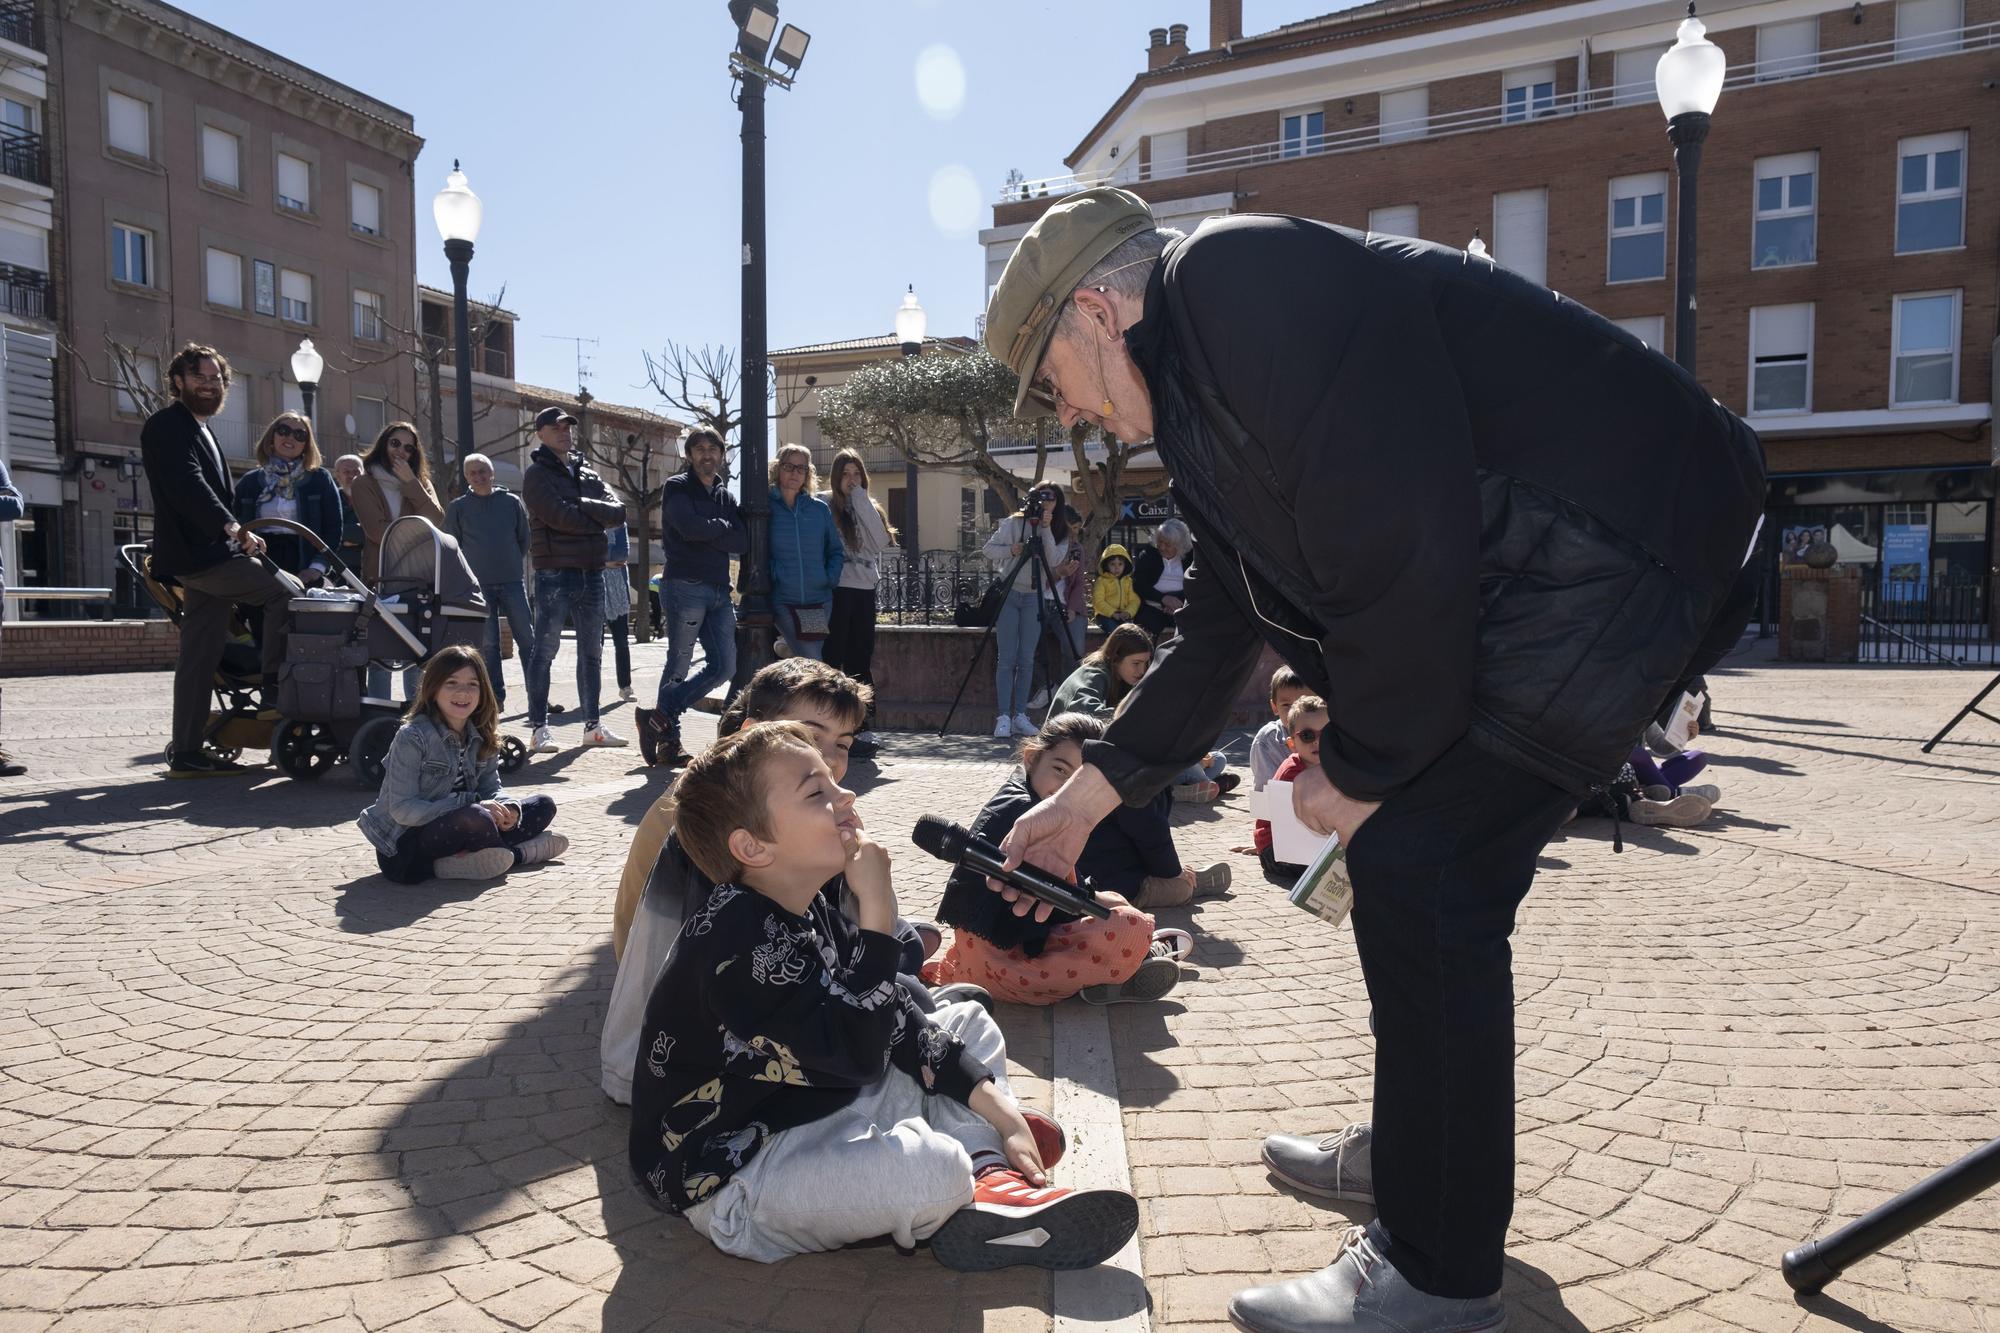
x: 950, y: 842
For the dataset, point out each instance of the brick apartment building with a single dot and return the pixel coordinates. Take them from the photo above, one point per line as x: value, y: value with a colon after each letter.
x: 209, y: 190
x: 1850, y: 195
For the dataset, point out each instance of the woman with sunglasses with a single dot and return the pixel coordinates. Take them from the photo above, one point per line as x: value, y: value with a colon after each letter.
x: 395, y: 480
x: 289, y: 482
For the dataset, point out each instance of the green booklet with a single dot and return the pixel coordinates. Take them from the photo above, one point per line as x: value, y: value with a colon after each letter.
x: 1325, y: 890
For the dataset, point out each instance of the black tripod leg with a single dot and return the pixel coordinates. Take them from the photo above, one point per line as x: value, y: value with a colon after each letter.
x: 1818, y: 1262
x: 1007, y: 582
x: 1966, y: 712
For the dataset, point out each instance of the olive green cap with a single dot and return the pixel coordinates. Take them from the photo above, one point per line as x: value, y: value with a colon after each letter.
x: 1064, y: 244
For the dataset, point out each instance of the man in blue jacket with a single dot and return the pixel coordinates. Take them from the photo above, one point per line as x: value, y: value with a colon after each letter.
x: 702, y: 530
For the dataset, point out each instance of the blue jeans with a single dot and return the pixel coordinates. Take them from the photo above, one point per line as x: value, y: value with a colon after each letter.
x: 509, y: 600
x: 1198, y: 773
x: 813, y: 648
x: 567, y: 596
x: 695, y: 612
x: 1015, y: 637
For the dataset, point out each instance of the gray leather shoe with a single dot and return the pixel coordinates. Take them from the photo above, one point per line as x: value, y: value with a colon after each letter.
x: 1335, y: 1167
x: 1360, y: 1290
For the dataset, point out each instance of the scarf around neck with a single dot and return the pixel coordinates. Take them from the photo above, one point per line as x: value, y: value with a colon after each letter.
x: 281, y: 475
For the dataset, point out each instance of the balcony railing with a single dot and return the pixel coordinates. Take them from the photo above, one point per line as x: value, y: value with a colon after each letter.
x: 25, y: 292
x: 21, y: 155
x: 1837, y: 60
x: 19, y: 24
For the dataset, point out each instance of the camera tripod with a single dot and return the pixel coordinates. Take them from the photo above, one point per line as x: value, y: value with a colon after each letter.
x: 1056, y: 662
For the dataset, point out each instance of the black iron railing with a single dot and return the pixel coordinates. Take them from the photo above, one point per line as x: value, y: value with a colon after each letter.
x: 25, y: 292
x: 19, y: 24
x: 1920, y: 622
x: 21, y: 155
x: 927, y: 590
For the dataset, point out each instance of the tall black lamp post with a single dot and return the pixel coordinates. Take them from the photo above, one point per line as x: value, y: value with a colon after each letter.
x: 757, y: 61
x: 458, y: 213
x: 1689, y: 81
x: 307, y: 366
x: 910, y: 325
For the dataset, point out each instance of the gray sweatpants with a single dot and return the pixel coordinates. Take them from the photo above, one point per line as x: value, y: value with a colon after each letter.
x: 895, y: 1162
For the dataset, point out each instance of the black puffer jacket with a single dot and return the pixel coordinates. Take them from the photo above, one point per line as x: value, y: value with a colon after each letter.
x: 1450, y: 498
x: 569, y: 511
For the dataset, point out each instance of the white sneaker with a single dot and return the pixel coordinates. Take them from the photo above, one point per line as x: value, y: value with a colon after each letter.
x: 541, y: 742
x: 604, y: 736
x: 1041, y: 699
x: 486, y: 863
x: 542, y: 847
x: 1708, y: 791
x: 625, y: 694
x: 1024, y: 725
x: 1003, y: 727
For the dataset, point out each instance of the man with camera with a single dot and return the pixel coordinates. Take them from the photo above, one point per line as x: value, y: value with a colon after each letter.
x: 1490, y: 529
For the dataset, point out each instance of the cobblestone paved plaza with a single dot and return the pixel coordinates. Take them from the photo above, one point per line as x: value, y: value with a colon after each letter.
x: 245, y: 1084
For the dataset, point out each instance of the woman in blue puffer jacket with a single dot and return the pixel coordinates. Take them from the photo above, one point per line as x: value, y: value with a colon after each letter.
x: 806, y: 552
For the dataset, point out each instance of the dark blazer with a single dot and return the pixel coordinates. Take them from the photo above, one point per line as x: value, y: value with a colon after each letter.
x: 319, y: 509
x: 191, y: 492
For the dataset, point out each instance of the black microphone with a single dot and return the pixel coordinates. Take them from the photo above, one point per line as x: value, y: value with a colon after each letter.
x: 950, y: 842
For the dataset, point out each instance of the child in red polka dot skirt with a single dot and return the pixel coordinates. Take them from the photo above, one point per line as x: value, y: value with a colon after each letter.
x: 1026, y: 961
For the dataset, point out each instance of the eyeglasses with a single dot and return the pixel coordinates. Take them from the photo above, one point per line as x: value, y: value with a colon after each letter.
x: 792, y: 467
x: 196, y: 377
x: 300, y: 433
x: 1306, y: 735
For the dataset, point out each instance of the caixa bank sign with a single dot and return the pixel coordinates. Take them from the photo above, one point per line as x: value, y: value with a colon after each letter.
x: 1150, y: 509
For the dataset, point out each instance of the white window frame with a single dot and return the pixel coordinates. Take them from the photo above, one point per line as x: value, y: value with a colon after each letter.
x: 1783, y: 167
x: 32, y: 110
x: 216, y: 260
x: 1780, y: 64
x: 1306, y: 145
x: 1167, y: 154
x: 1648, y: 329
x: 368, y: 325
x: 209, y: 135
x: 1411, y: 109
x: 123, y: 237
x: 1930, y: 145
x: 354, y: 224
x: 1897, y: 351
x: 289, y: 203
x: 1528, y: 78
x: 1388, y: 220
x: 1771, y: 313
x: 1635, y: 188
x: 1631, y: 90
x: 286, y: 303
x: 1929, y: 41
x: 112, y: 97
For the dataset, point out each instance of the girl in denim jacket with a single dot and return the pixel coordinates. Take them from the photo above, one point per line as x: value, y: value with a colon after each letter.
x: 441, y: 812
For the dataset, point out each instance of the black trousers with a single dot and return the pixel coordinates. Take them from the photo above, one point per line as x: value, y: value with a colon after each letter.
x: 850, y: 633
x: 1438, y: 872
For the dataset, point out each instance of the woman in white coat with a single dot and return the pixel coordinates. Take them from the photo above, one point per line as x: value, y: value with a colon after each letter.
x: 865, y: 532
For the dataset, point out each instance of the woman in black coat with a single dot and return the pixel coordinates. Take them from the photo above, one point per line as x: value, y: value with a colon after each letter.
x: 288, y: 482
x: 1165, y: 560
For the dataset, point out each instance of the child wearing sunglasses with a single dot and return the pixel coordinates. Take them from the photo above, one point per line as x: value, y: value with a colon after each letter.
x: 1305, y: 720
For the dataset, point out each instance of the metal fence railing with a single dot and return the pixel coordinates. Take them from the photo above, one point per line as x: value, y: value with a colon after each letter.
x: 928, y: 589
x: 1919, y: 622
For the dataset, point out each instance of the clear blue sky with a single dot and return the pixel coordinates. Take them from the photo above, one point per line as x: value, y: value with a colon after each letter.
x: 602, y: 139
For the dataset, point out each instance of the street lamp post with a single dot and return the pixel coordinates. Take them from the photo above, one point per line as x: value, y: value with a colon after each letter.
x: 910, y: 325
x: 458, y: 213
x: 1688, y: 79
x: 307, y: 366
x: 757, y: 61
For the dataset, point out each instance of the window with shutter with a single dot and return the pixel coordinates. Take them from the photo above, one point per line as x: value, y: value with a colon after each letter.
x: 1521, y: 232
x: 1786, y: 205
x: 365, y: 205
x: 1781, y: 358
x: 1930, y: 193
x: 1787, y: 50
x: 128, y: 125
x: 221, y: 157
x: 295, y: 296
x: 1638, y: 248
x: 1398, y: 220
x: 1632, y: 75
x: 294, y: 183
x: 1406, y: 114
x: 1928, y: 27
x: 225, y: 279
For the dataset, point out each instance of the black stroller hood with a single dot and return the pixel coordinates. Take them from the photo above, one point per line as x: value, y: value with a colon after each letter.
x: 415, y: 555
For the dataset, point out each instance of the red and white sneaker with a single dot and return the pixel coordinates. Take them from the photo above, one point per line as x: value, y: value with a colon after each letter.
x: 1011, y: 1222
x: 1050, y: 1140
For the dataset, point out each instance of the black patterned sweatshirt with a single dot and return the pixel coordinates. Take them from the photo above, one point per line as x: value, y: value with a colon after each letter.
x: 763, y: 1020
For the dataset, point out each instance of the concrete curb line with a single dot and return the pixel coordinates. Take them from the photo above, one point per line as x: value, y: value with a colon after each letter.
x: 1111, y: 1297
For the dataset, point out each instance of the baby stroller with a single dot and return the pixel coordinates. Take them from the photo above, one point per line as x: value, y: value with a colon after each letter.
x: 424, y: 599
x: 233, y: 724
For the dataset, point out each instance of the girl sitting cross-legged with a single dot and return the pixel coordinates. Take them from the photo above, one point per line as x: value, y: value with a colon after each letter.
x: 441, y: 812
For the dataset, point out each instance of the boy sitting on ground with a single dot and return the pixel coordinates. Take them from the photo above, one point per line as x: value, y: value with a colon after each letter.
x: 791, y: 1096
x: 1267, y: 747
x: 661, y: 887
x: 1305, y: 720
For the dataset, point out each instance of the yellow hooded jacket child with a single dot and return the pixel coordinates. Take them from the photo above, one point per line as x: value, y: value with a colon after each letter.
x: 1113, y: 595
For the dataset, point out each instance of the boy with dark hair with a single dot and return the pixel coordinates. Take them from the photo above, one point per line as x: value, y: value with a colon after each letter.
x: 1268, y: 748
x: 791, y: 1096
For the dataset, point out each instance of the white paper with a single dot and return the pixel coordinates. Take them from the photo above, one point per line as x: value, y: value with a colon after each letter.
x: 1291, y: 841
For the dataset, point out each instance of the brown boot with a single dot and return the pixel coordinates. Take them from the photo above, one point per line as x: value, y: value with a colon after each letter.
x: 1159, y: 891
